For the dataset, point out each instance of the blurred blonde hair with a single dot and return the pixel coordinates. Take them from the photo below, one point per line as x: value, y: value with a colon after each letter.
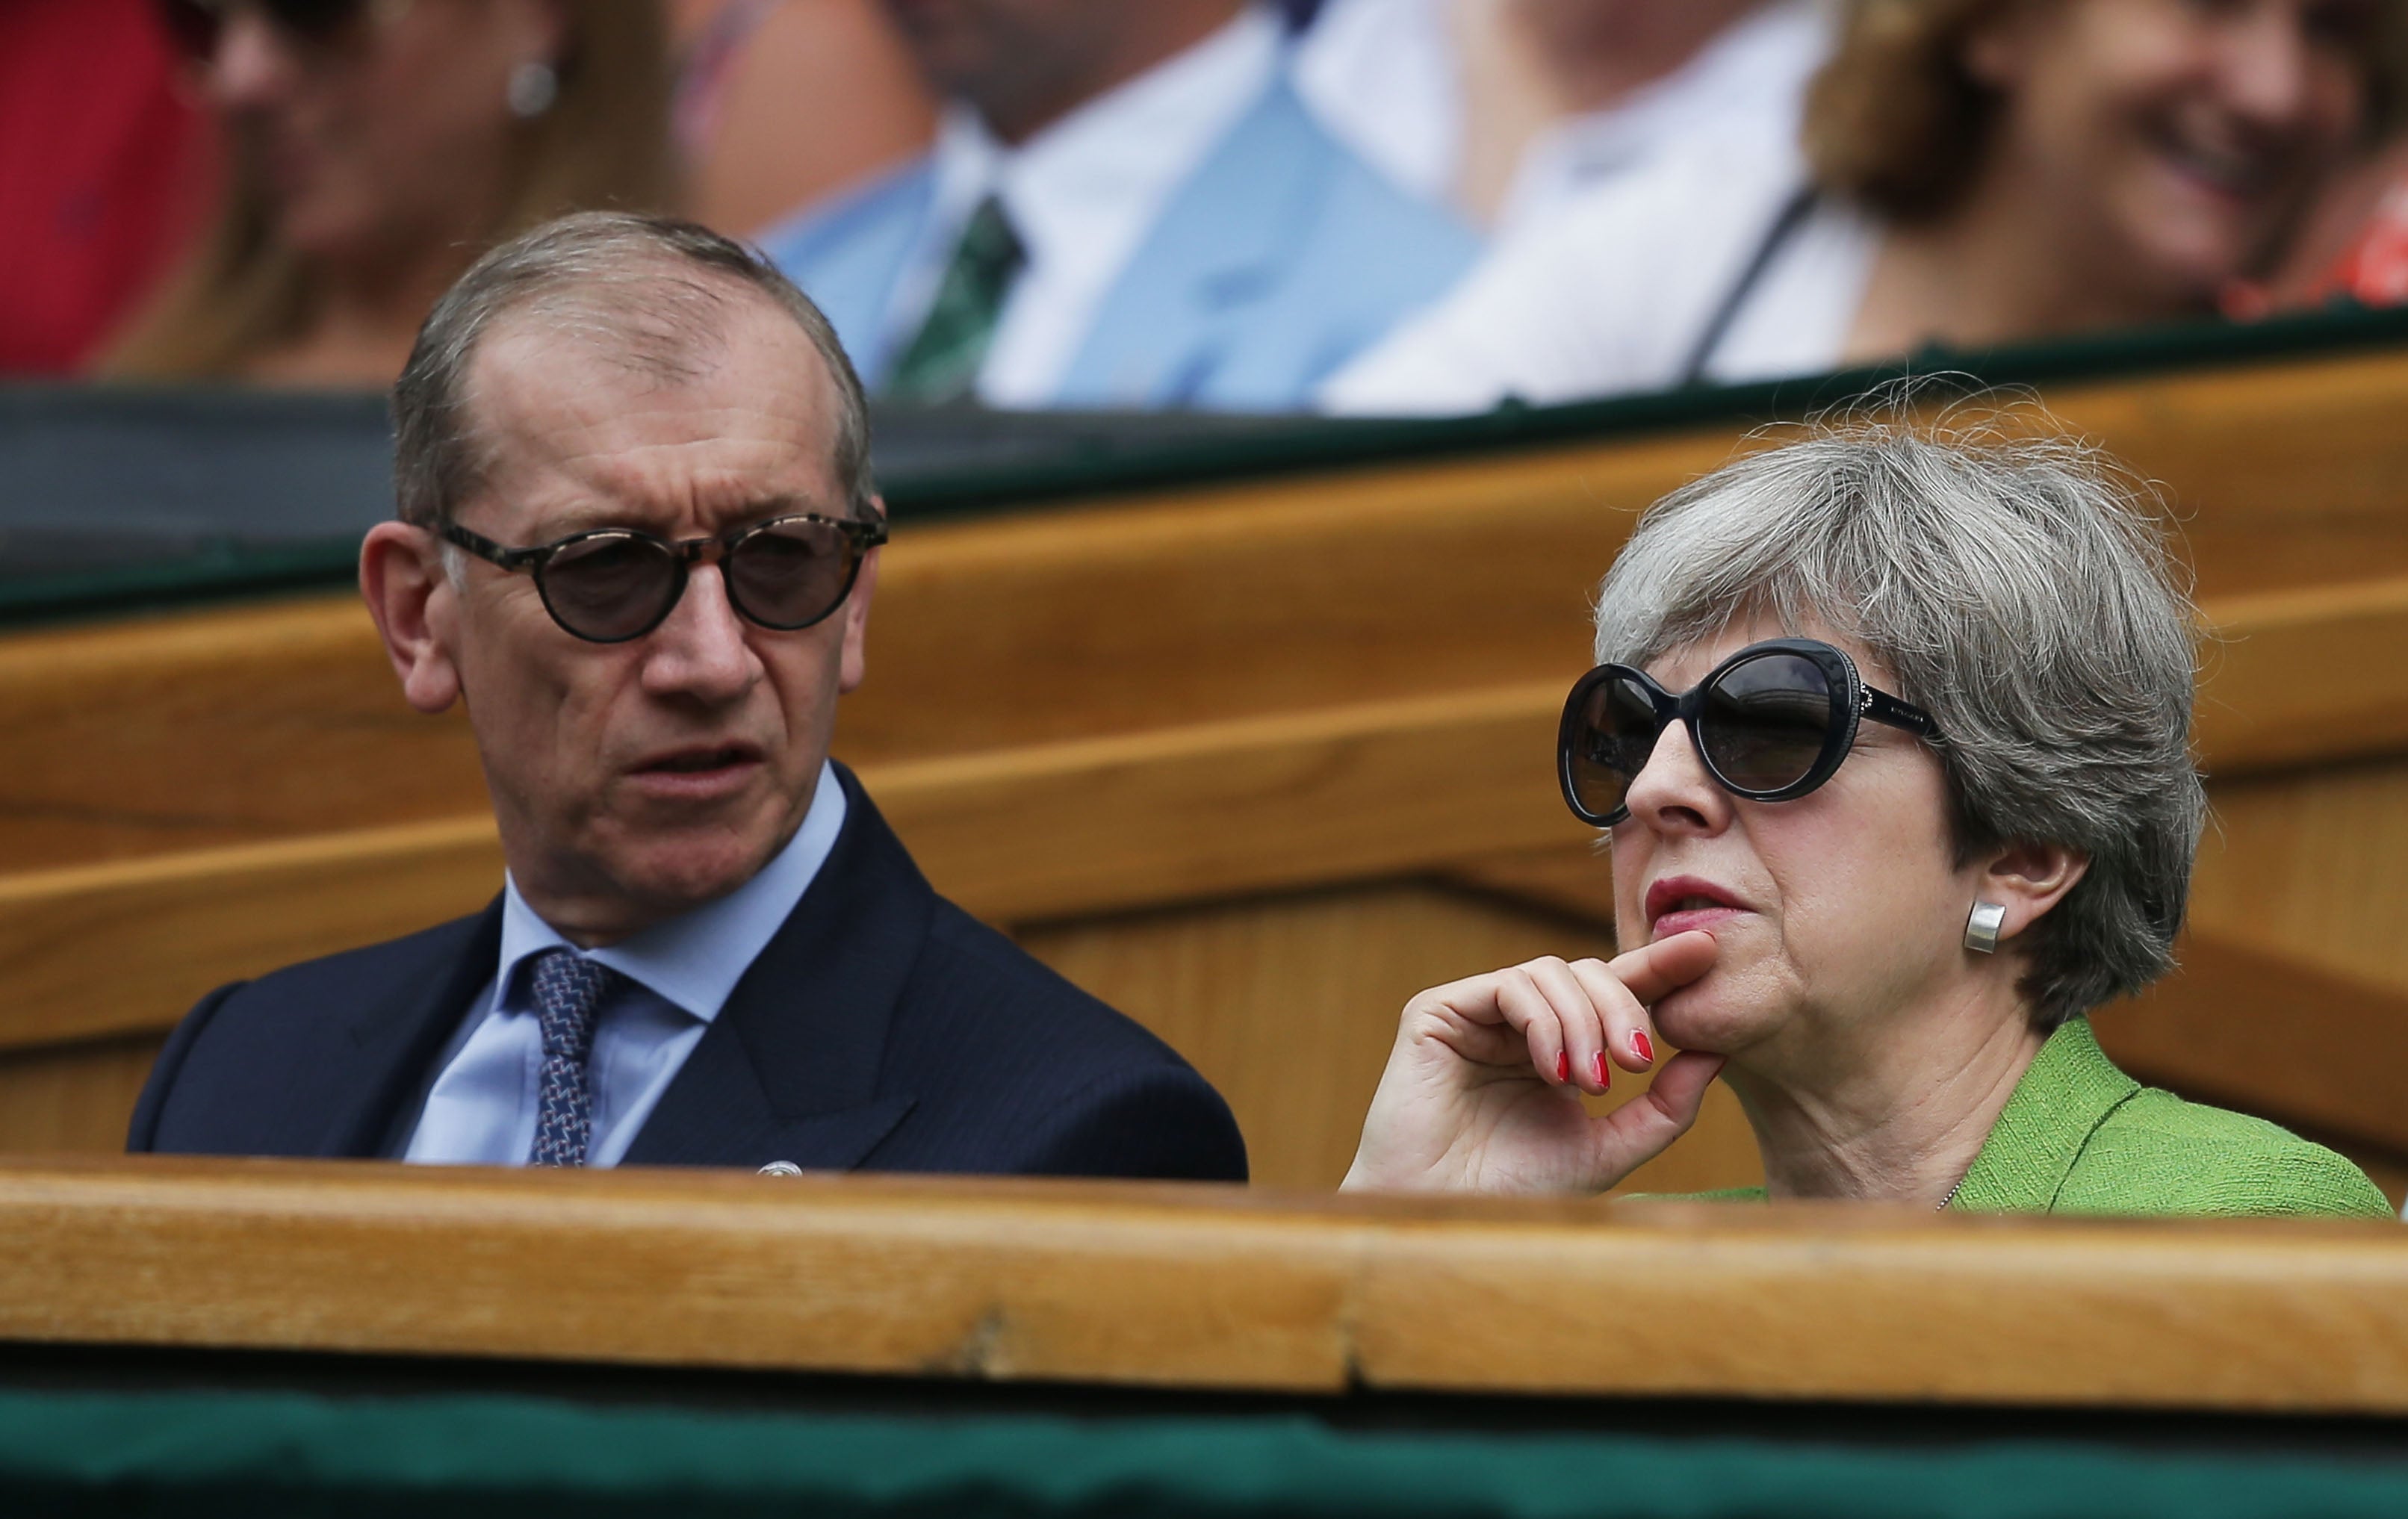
x: 1896, y: 122
x: 603, y: 143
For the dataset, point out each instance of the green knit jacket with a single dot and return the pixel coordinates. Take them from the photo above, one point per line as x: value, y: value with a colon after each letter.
x: 2080, y: 1136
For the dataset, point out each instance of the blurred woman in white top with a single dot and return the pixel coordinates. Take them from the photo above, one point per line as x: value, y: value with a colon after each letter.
x: 1971, y: 173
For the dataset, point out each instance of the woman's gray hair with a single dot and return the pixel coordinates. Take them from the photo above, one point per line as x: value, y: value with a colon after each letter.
x: 2020, y: 590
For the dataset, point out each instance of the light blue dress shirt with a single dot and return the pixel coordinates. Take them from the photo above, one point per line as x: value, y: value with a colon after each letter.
x: 482, y: 1110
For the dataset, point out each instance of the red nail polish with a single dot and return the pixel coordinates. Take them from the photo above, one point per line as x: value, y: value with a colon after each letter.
x: 1563, y: 1065
x: 1604, y: 1071
x: 1640, y: 1047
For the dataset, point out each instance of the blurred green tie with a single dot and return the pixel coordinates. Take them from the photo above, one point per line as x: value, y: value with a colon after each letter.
x: 943, y: 362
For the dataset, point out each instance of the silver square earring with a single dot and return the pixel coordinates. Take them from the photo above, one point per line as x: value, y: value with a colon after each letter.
x: 1982, y: 927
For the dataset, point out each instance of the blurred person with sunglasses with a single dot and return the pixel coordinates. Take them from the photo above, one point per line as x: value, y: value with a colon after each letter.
x: 1890, y: 737
x: 374, y: 149
x: 1970, y: 174
x: 637, y: 541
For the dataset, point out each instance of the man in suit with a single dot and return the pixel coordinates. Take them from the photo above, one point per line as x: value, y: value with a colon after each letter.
x: 1127, y: 205
x: 637, y: 539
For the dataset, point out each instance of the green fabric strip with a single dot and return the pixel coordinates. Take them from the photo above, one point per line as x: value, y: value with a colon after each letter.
x: 2069, y: 1090
x: 272, y: 1454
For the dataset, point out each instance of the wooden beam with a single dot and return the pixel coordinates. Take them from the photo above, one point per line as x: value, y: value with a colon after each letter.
x: 2275, y: 1035
x: 1203, y: 1286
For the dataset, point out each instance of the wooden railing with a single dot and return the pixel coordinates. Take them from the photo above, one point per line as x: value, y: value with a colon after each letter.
x: 1253, y: 763
x: 1202, y: 1287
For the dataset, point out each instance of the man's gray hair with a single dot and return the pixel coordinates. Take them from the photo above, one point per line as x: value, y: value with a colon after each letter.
x: 650, y: 292
x: 2020, y: 590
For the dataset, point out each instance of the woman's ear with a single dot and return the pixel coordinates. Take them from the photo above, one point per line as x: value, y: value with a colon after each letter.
x: 1996, y: 52
x: 416, y: 609
x: 2028, y: 879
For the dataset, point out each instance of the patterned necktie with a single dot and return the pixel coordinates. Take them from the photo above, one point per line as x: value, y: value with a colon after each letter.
x: 941, y: 363
x: 568, y: 988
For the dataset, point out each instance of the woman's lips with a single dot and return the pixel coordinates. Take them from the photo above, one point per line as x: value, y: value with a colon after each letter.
x: 1684, y: 920
x: 1678, y: 904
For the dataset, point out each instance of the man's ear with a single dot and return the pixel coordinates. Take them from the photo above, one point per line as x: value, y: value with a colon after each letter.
x: 856, y: 616
x: 2028, y: 879
x: 416, y: 610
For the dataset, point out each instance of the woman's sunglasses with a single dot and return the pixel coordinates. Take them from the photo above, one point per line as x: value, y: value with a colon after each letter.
x: 613, y: 583
x: 1772, y: 723
x: 196, y: 25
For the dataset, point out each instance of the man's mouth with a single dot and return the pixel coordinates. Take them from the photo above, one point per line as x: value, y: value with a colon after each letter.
x: 701, y: 773
x: 697, y: 761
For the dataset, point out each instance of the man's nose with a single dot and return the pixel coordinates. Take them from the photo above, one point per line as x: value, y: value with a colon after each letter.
x: 700, y: 650
x: 1672, y: 791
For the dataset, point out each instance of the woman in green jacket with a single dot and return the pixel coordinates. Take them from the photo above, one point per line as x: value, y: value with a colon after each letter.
x: 1890, y: 735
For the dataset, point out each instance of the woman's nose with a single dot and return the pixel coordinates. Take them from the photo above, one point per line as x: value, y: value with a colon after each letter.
x: 2268, y: 69
x: 252, y: 64
x: 1673, y: 790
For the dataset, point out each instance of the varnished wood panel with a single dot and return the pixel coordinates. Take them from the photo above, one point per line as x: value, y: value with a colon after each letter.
x: 1289, y: 1005
x: 72, y: 1098
x: 1204, y: 1286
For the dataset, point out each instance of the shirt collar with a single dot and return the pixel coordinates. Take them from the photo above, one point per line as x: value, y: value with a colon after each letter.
x: 1089, y: 185
x: 695, y: 960
x: 2065, y: 1095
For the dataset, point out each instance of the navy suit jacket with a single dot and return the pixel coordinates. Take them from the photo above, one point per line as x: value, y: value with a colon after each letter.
x: 882, y: 1029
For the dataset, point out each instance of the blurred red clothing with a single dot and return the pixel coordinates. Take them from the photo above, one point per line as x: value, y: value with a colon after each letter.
x: 105, y: 172
x: 2375, y: 270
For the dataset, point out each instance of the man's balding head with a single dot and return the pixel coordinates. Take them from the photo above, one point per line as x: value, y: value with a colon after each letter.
x: 647, y: 295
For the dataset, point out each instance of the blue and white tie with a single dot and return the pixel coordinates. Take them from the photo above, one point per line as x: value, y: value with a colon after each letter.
x: 568, y: 989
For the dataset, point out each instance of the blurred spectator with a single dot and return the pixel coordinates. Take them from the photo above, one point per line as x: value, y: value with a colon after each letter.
x: 782, y: 101
x: 1507, y: 108
x: 375, y: 148
x: 1974, y: 172
x: 104, y: 173
x: 1127, y: 205
x: 2354, y: 247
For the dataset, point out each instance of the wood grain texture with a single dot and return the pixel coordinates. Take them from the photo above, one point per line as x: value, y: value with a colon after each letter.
x: 72, y: 1098
x: 1203, y: 1286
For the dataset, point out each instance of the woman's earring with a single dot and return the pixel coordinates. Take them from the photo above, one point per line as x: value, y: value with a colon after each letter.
x: 534, y: 86
x: 1982, y: 927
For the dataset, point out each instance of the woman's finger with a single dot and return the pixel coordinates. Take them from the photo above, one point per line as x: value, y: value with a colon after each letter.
x: 1653, y: 971
x: 1641, y: 1129
x: 1576, y: 1014
x: 1526, y: 1007
x: 1630, y: 1034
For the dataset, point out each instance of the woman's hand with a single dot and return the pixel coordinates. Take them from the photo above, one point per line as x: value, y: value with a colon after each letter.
x: 1482, y: 1093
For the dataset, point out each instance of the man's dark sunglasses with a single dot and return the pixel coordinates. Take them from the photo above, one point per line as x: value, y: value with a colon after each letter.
x: 613, y: 583
x: 196, y: 25
x: 1772, y: 723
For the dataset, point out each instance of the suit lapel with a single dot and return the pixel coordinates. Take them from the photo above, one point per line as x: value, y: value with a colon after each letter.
x: 791, y: 1067
x: 1218, y: 246
x: 393, y: 1041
